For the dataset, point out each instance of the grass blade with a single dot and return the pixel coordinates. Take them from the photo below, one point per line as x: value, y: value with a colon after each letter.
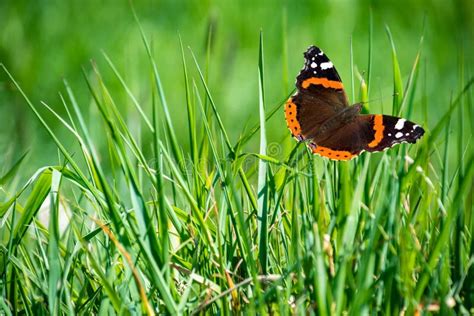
x: 53, y: 245
x: 13, y: 170
x: 397, y: 77
x: 262, y: 186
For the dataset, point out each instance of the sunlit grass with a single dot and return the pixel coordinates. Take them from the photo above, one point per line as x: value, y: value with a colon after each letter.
x: 153, y: 228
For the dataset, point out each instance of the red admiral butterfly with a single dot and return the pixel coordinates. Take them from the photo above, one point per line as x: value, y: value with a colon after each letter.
x: 320, y: 114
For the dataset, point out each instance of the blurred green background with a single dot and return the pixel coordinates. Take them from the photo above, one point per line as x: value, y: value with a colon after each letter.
x: 44, y: 42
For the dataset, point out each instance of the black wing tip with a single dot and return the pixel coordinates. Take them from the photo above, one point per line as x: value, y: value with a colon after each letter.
x: 417, y: 134
x: 311, y: 51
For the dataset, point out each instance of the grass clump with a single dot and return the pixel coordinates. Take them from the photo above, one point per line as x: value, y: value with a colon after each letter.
x: 219, y: 228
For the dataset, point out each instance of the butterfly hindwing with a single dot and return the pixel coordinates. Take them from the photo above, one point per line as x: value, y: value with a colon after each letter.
x: 347, y: 142
x: 366, y: 133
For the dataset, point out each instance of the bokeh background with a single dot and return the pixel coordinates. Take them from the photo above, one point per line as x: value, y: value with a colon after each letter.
x: 44, y: 42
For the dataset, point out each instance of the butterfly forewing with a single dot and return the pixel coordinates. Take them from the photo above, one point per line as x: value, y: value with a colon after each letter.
x: 320, y: 95
x: 392, y: 130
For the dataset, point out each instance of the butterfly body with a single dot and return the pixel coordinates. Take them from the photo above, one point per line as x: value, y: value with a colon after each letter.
x: 319, y: 113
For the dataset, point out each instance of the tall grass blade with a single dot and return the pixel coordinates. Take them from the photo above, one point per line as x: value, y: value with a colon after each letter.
x: 321, y: 273
x: 169, y: 124
x: 129, y: 92
x: 262, y: 184
x: 397, y: 77
x: 13, y: 170
x: 410, y: 89
x: 53, y: 246
x: 352, y: 72
x: 190, y: 108
x: 369, y: 58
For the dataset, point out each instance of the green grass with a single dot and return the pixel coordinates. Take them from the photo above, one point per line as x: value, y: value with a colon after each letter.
x: 218, y: 226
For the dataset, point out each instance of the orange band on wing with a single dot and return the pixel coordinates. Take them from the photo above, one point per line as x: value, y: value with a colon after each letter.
x: 324, y: 82
x: 290, y: 116
x: 378, y: 128
x: 333, y: 154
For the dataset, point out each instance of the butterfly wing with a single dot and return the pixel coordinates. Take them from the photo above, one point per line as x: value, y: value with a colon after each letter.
x: 320, y: 95
x: 366, y: 132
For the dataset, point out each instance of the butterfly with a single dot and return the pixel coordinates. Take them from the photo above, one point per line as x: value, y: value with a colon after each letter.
x: 319, y: 114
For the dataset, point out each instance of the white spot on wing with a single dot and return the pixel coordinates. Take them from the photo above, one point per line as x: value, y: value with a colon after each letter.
x: 400, y: 123
x: 415, y: 126
x: 326, y: 65
x: 321, y: 53
x: 399, y: 134
x: 314, y: 65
